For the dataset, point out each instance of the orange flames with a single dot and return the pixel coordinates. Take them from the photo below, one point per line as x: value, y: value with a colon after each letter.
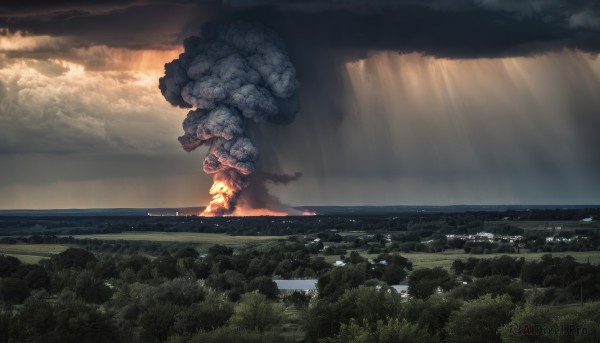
x: 255, y: 212
x: 225, y: 193
x: 222, y: 196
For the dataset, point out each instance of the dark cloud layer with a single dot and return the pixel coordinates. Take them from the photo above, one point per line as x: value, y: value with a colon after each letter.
x: 461, y: 28
x: 321, y: 37
x: 469, y: 32
x: 468, y: 28
x: 130, y: 24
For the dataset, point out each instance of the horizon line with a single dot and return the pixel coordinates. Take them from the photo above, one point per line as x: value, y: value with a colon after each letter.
x: 304, y: 206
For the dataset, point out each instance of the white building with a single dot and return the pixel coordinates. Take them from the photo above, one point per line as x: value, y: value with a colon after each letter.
x: 302, y: 286
x: 486, y: 235
x: 401, y: 289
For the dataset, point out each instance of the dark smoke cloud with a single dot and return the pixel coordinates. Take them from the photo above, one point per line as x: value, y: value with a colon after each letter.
x: 278, y: 179
x: 233, y: 74
x: 257, y: 195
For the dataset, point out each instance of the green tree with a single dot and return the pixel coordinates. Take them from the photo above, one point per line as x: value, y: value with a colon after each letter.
x: 91, y: 289
x: 423, y: 282
x: 532, y: 272
x: 569, y: 318
x: 393, y: 274
x: 320, y: 320
x: 73, y: 258
x: 458, y: 266
x: 8, y: 265
x: 179, y: 291
x: 6, y: 323
x: 186, y: 253
x: 335, y: 282
x: 485, y: 267
x: 165, y: 266
x: 298, y: 299
x: 34, y: 276
x: 355, y: 258
x: 34, y: 322
x: 509, y: 266
x: 208, y: 315
x: 541, y: 315
x: 494, y: 285
x: 368, y: 303
x: 157, y: 322
x: 70, y: 322
x: 431, y: 314
x: 479, y: 320
x: 390, y: 331
x: 217, y: 250
x: 105, y: 269
x: 13, y: 291
x: 231, y: 334
x: 77, y: 322
x: 255, y: 312
x: 401, y: 261
x: 134, y: 262
x: 265, y: 286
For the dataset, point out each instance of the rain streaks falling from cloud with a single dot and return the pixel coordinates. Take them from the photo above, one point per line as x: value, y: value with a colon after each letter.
x: 80, y: 80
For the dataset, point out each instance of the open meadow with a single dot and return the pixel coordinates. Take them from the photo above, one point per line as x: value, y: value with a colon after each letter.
x: 549, y: 225
x: 182, y: 237
x: 445, y: 259
x: 31, y: 253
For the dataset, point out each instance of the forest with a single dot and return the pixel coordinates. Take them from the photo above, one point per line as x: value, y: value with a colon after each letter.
x: 97, y: 290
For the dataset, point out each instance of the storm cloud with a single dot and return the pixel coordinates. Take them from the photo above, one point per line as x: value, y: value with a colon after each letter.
x: 461, y: 28
x: 403, y: 101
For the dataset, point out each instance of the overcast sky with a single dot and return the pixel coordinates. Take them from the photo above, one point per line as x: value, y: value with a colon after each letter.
x: 402, y: 102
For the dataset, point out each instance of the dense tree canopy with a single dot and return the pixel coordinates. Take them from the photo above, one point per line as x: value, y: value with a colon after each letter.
x: 177, y: 294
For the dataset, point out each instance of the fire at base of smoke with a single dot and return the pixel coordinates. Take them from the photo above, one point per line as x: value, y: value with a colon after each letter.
x: 233, y: 74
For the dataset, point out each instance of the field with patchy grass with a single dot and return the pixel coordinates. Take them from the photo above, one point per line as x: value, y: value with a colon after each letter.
x: 28, y: 259
x: 445, y: 259
x: 31, y: 253
x: 183, y: 237
x: 548, y: 225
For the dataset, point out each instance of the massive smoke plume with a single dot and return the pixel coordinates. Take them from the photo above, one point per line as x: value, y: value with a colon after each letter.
x: 234, y: 74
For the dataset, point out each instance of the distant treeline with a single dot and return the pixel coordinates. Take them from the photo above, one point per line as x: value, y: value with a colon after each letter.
x: 460, y: 223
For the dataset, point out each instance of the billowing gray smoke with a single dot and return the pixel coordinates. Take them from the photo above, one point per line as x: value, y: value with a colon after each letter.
x: 233, y: 75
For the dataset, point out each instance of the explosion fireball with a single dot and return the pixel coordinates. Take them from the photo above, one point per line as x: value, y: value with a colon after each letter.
x: 234, y: 75
x: 224, y: 193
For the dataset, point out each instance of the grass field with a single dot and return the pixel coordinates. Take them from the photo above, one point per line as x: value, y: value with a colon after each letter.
x: 183, y: 237
x: 445, y: 259
x: 31, y: 253
x: 548, y: 225
x: 28, y: 259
